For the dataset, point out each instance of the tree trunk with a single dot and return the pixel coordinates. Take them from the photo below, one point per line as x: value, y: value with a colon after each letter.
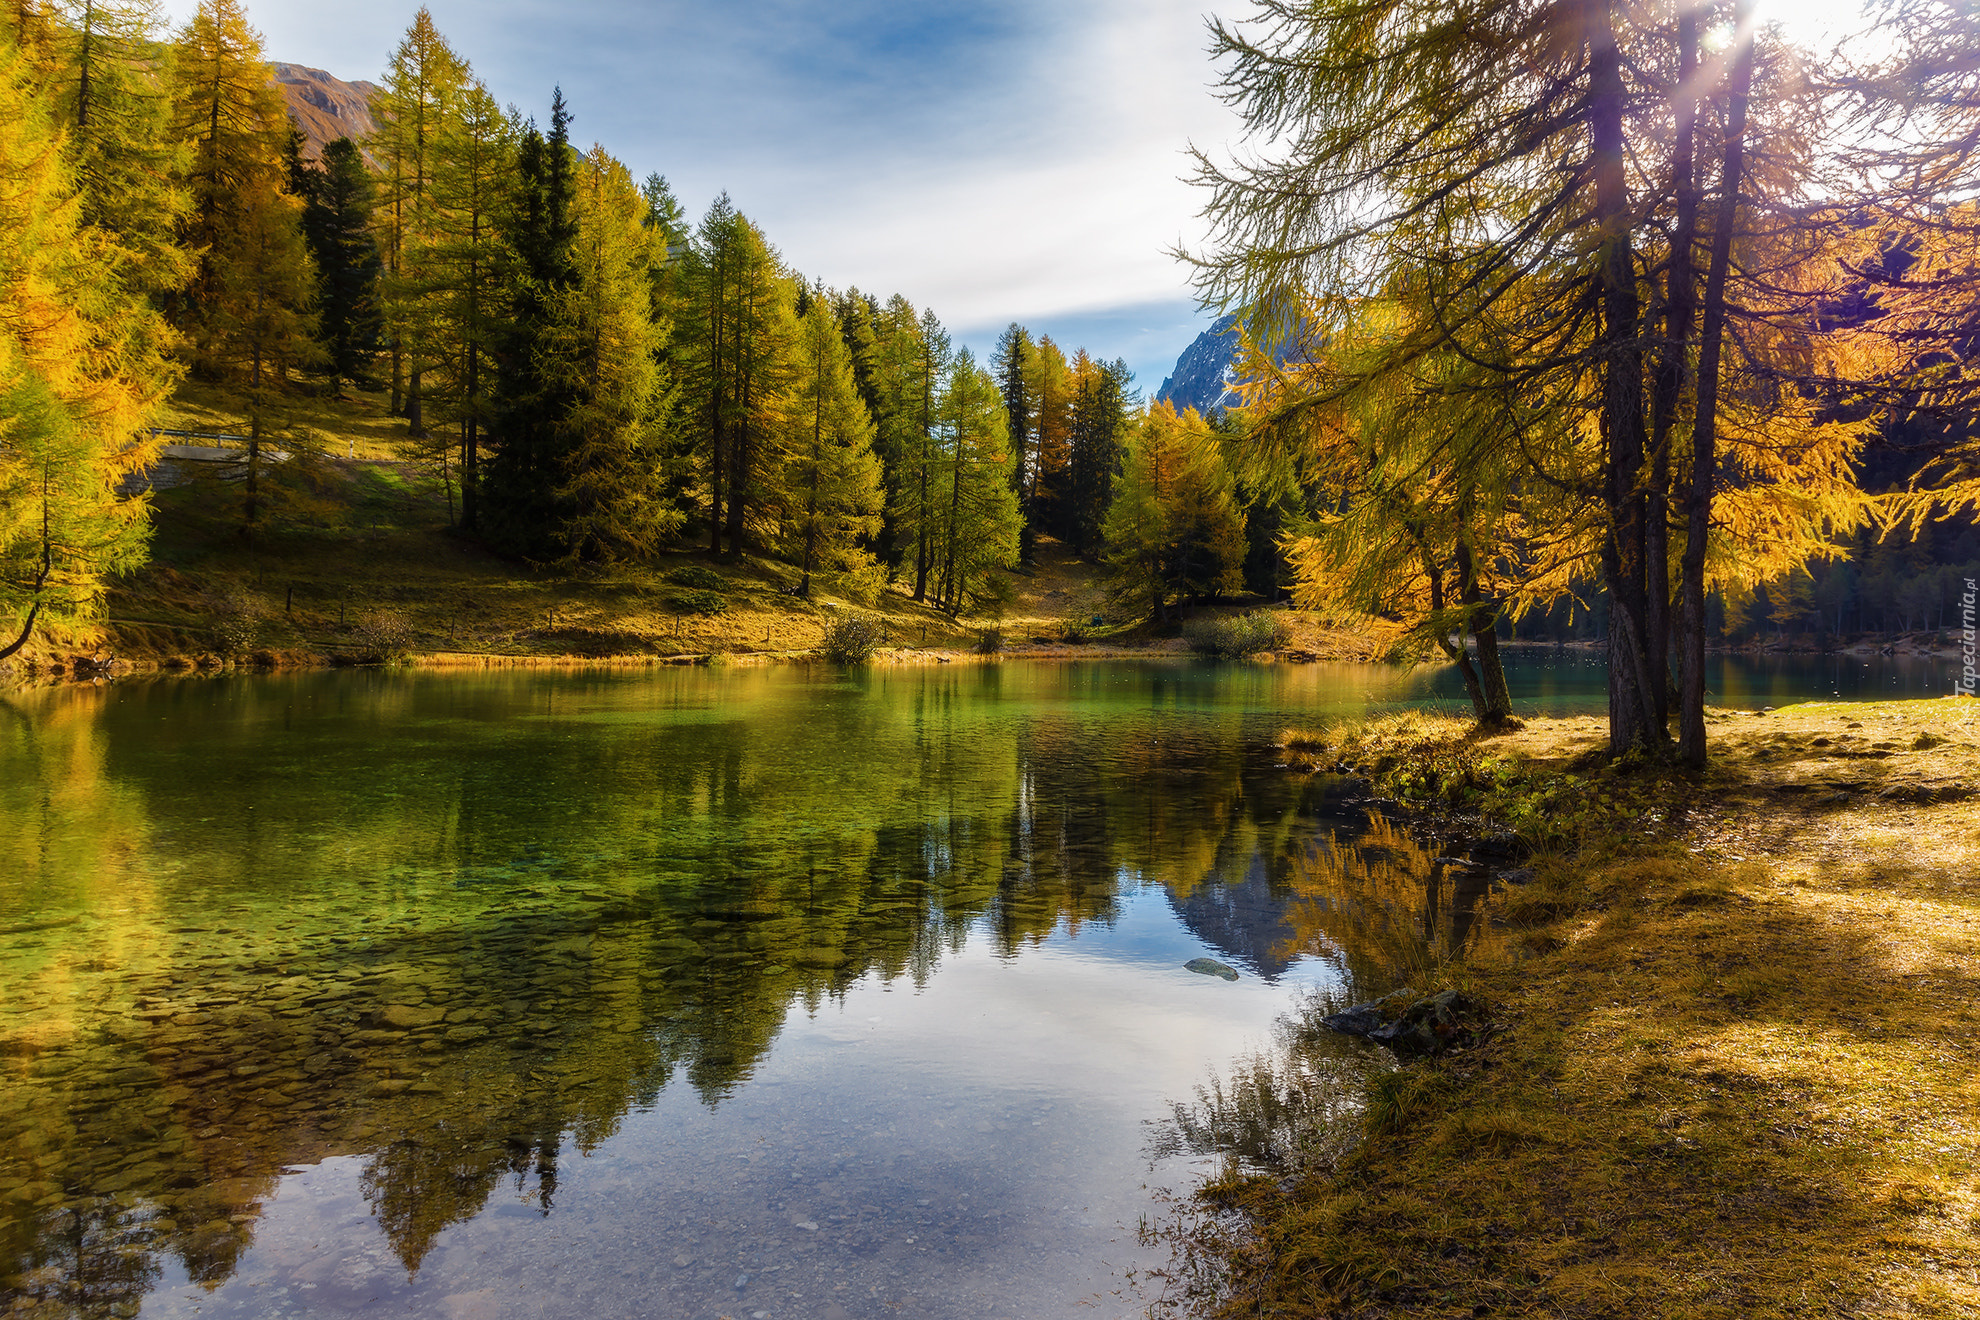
x: 1494, y: 703
x: 1704, y: 429
x: 1632, y: 709
x: 1680, y: 307
x: 1456, y: 651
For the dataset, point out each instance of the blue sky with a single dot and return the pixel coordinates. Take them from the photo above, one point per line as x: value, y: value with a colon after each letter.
x: 998, y: 160
x: 994, y: 161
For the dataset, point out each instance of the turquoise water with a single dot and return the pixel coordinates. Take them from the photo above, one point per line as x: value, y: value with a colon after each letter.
x: 778, y: 992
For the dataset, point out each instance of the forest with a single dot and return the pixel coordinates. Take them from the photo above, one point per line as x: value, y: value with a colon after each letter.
x: 1659, y: 343
x: 591, y: 373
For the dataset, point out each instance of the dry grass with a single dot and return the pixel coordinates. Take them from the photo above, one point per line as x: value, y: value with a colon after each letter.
x: 1741, y: 1075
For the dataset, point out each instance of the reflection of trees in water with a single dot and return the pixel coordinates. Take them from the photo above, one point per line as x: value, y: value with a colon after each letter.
x: 1291, y: 1105
x: 466, y: 974
x: 1387, y: 907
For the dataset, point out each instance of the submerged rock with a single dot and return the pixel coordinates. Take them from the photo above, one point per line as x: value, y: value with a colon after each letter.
x: 1210, y: 967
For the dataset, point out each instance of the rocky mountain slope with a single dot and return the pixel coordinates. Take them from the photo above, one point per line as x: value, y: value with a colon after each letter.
x: 325, y: 108
x: 1202, y: 378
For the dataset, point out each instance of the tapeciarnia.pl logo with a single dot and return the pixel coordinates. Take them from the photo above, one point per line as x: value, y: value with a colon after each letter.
x: 1964, y: 680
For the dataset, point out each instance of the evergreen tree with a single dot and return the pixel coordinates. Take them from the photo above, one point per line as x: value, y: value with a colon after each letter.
x: 261, y: 331
x: 414, y: 105
x: 977, y: 525
x: 225, y: 106
x: 602, y: 348
x: 531, y: 398
x: 831, y: 476
x: 338, y: 197
x: 1049, y: 383
x: 858, y: 318
x: 115, y: 104
x: 1012, y: 363
x: 736, y: 366
x: 1100, y: 417
x: 910, y: 355
x: 665, y: 213
x: 1174, y: 532
x: 80, y: 380
x: 474, y: 167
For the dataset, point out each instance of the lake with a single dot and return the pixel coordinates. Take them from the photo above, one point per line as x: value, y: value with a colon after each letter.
x: 769, y: 992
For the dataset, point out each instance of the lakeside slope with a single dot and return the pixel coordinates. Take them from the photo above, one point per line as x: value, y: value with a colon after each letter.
x: 1737, y: 1071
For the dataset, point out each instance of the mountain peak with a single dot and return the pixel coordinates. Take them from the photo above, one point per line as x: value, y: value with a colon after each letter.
x: 324, y: 107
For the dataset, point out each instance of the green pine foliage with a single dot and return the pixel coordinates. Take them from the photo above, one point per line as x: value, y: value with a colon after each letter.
x: 736, y: 365
x: 338, y: 198
x: 531, y: 396
x: 977, y: 526
x: 830, y: 485
x: 1174, y: 532
x: 602, y: 349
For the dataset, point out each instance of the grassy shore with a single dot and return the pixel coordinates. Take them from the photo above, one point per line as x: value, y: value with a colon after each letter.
x: 1738, y: 1066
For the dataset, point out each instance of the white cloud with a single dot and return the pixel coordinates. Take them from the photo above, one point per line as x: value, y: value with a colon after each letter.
x: 996, y: 163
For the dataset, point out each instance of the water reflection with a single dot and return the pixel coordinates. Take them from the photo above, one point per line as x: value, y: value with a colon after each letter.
x: 294, y: 961
x: 461, y: 931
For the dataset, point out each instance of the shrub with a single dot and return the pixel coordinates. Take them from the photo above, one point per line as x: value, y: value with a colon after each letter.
x: 851, y: 640
x: 698, y: 602
x: 386, y: 634
x: 1076, y: 628
x: 700, y: 577
x: 1235, y: 636
x: 864, y: 581
x: 236, y: 619
x: 989, y: 641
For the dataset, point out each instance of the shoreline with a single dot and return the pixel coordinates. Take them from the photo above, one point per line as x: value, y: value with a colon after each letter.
x: 1735, y: 1048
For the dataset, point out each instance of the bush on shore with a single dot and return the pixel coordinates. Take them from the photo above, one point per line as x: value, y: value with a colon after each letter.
x: 1235, y: 636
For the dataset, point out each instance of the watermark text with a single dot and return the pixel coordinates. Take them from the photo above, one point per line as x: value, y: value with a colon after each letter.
x: 1963, y: 681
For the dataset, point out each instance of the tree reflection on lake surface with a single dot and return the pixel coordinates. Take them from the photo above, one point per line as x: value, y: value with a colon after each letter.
x: 683, y: 993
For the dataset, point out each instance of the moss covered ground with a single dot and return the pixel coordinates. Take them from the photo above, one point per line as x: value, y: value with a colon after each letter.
x: 1737, y: 1071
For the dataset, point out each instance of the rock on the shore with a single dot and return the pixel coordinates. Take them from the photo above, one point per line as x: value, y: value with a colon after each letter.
x: 1426, y: 1026
x: 1362, y: 1019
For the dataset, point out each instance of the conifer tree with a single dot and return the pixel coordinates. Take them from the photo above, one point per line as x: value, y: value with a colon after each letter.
x: 531, y: 397
x: 225, y: 106
x: 115, y: 105
x: 830, y: 481
x: 978, y: 526
x: 909, y: 359
x: 1174, y: 532
x: 1048, y: 383
x: 736, y: 366
x: 1100, y: 416
x: 80, y: 380
x: 602, y: 349
x: 413, y: 106
x: 261, y: 329
x: 475, y: 164
x: 338, y: 198
x: 1012, y: 363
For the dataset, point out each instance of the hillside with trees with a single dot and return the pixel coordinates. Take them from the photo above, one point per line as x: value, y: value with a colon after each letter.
x: 1679, y: 367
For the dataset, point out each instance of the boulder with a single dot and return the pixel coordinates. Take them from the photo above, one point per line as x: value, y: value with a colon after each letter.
x: 406, y: 1017
x: 1210, y: 967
